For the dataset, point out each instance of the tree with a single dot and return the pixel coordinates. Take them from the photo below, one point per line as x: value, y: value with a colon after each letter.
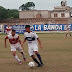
x: 8, y: 13
x: 27, y: 6
x: 12, y: 13
x: 3, y: 13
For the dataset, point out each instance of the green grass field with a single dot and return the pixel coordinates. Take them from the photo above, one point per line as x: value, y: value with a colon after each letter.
x: 56, y: 55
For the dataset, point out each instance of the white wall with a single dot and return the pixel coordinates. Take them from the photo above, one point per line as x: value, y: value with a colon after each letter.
x: 26, y: 14
x: 32, y: 14
x: 67, y: 15
x: 44, y: 14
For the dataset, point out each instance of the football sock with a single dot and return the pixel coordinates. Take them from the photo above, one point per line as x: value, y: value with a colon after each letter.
x: 23, y: 55
x: 36, y: 61
x: 39, y: 57
x: 66, y: 35
x: 16, y: 57
x: 70, y: 35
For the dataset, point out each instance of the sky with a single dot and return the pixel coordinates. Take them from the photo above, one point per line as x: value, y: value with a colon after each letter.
x: 39, y: 4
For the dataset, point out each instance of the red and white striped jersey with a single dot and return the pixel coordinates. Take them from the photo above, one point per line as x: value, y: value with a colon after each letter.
x: 8, y: 28
x: 13, y: 39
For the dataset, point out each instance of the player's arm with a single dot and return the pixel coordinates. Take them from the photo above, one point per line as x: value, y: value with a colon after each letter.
x: 36, y: 36
x: 6, y: 40
x: 39, y: 43
x: 20, y: 42
x: 24, y: 41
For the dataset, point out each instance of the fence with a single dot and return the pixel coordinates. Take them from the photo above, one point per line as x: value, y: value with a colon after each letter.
x: 1, y: 28
x: 42, y: 28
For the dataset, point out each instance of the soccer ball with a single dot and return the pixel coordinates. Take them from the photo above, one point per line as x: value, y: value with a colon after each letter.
x: 31, y: 64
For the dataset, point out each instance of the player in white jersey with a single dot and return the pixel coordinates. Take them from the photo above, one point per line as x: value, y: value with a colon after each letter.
x: 15, y: 44
x: 67, y: 31
x: 8, y: 29
x: 32, y: 38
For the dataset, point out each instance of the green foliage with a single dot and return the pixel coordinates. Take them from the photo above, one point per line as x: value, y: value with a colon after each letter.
x: 12, y: 13
x: 8, y: 13
x: 27, y: 6
x: 3, y: 13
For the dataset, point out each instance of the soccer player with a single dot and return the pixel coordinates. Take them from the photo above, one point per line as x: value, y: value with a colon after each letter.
x: 32, y: 38
x: 15, y: 44
x: 8, y: 29
x: 67, y: 31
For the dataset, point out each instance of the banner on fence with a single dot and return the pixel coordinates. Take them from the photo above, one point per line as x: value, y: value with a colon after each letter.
x: 1, y: 28
x: 42, y: 27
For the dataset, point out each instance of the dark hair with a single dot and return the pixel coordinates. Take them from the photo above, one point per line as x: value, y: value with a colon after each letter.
x: 27, y: 26
x: 13, y: 30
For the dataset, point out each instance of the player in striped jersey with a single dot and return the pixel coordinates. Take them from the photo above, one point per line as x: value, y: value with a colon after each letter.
x: 15, y: 44
x: 8, y: 29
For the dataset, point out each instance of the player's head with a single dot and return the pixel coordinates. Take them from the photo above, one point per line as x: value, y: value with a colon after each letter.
x: 8, y: 25
x: 13, y: 32
x: 27, y: 28
x: 67, y: 25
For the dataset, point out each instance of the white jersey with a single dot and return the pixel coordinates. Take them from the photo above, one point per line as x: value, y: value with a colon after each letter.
x: 31, y: 38
x: 32, y: 42
x: 14, y: 42
x: 8, y: 30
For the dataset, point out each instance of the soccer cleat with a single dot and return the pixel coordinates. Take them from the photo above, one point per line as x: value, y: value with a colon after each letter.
x: 39, y: 66
x: 64, y: 37
x: 42, y: 65
x: 24, y: 59
x: 20, y: 62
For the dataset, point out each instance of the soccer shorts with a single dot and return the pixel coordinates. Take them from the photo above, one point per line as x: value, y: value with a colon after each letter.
x: 67, y: 31
x: 14, y: 47
x: 32, y: 49
x: 9, y: 32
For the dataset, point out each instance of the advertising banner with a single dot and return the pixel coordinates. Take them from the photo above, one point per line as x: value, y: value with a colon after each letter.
x: 42, y: 27
x: 1, y: 28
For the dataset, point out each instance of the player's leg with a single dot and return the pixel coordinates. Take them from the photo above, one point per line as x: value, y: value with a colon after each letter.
x: 69, y: 34
x: 13, y: 50
x: 16, y: 57
x: 66, y: 35
x: 23, y: 56
x: 39, y: 57
x: 21, y: 51
x: 35, y: 48
x: 33, y: 57
x: 31, y: 53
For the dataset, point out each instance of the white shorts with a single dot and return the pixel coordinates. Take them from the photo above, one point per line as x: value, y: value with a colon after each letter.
x: 32, y: 49
x: 14, y: 47
x: 67, y: 31
x: 9, y: 32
